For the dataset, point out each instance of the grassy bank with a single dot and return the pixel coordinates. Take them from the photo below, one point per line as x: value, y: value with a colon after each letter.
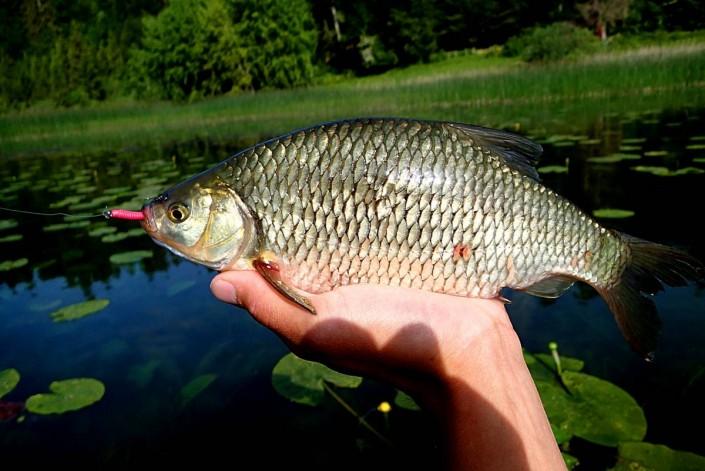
x: 484, y: 90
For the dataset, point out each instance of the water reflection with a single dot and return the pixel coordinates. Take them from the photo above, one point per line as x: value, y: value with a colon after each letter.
x: 162, y: 328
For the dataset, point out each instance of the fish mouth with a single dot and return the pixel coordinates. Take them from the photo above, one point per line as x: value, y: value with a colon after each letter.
x: 148, y: 223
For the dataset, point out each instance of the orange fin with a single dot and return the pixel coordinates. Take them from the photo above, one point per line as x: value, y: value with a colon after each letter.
x: 270, y: 271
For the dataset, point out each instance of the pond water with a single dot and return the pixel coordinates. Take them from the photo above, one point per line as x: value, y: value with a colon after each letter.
x: 162, y: 328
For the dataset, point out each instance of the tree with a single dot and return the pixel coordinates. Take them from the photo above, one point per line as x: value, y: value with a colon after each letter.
x: 280, y: 37
x: 603, y: 13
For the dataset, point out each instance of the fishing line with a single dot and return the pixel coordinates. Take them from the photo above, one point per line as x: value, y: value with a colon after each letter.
x: 107, y: 214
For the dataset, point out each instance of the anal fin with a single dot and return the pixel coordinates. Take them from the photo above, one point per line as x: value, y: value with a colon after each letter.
x: 551, y: 287
x: 270, y: 271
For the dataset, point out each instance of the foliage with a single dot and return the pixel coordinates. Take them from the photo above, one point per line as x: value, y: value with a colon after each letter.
x: 551, y: 43
x: 303, y: 381
x: 195, y: 387
x: 612, y: 213
x: 67, y: 395
x: 8, y: 380
x: 648, y: 457
x: 577, y: 405
x: 603, y: 13
x: 78, y: 53
x: 79, y: 310
x: 280, y: 38
x: 130, y: 257
x: 195, y: 48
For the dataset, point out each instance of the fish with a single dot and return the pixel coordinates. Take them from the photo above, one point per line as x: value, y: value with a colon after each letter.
x: 440, y: 206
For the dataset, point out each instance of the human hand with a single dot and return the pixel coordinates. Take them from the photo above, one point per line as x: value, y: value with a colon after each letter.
x: 459, y: 357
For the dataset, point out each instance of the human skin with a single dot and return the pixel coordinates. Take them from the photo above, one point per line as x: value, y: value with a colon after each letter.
x: 459, y: 357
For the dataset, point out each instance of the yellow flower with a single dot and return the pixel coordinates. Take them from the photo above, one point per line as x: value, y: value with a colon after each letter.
x: 384, y: 407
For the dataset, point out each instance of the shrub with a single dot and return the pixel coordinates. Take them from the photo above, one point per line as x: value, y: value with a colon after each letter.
x: 551, y: 43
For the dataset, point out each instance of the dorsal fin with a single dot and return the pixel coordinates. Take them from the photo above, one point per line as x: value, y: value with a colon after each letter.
x: 518, y: 152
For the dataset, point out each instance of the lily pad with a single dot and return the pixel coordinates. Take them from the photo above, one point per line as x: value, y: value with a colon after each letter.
x: 118, y: 190
x: 142, y: 374
x: 130, y: 257
x: 8, y: 380
x: 665, y: 172
x: 7, y: 224
x: 66, y: 201
x: 110, y: 238
x: 629, y: 148
x: 612, y: 213
x: 634, y: 140
x: 656, y: 153
x: 67, y: 395
x: 102, y: 231
x: 79, y: 310
x: 11, y: 238
x: 695, y: 147
x: 553, y: 169
x: 688, y: 171
x: 648, y: 457
x: 8, y: 265
x: 195, y: 387
x: 405, y: 401
x: 593, y: 409
x: 55, y: 227
x: 570, y: 460
x: 588, y: 142
x: 302, y: 381
x: 612, y: 158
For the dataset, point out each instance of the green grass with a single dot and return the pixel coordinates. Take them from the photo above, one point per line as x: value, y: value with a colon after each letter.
x: 492, y: 91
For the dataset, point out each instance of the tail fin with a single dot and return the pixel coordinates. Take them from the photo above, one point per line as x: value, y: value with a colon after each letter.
x: 650, y: 266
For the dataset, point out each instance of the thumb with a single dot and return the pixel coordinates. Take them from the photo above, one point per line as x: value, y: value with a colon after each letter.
x: 269, y: 307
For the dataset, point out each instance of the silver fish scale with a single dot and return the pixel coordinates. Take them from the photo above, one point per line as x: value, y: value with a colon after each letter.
x: 415, y: 204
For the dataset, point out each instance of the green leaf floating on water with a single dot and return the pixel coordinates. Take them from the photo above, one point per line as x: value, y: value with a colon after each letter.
x: 130, y: 257
x: 302, y: 381
x: 8, y: 380
x: 581, y: 405
x: 7, y: 224
x: 195, y: 387
x: 67, y: 395
x: 77, y: 311
x: 405, y: 401
x: 642, y: 456
x: 11, y: 238
x: 612, y: 213
x: 570, y: 460
x: 612, y: 158
x: 666, y: 172
x: 8, y: 265
x: 553, y: 169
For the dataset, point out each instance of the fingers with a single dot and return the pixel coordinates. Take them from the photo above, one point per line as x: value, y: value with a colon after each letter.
x: 264, y: 302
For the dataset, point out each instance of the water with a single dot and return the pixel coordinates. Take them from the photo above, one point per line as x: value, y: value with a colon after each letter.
x: 162, y: 328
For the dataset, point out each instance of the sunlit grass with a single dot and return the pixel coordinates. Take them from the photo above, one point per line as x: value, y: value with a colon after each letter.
x: 492, y: 91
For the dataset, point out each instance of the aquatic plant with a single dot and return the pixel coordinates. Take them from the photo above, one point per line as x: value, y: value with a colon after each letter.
x: 612, y: 213
x: 195, y: 387
x: 67, y: 395
x: 578, y: 405
x: 130, y: 257
x: 79, y: 310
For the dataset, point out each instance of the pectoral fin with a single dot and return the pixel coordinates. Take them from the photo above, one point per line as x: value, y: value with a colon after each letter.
x: 551, y: 287
x: 270, y: 271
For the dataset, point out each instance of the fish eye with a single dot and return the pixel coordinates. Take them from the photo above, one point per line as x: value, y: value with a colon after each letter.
x: 177, y: 213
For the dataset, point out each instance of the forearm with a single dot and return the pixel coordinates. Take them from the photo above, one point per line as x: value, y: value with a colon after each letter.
x: 494, y: 417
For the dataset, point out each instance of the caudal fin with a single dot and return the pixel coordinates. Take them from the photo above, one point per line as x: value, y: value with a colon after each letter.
x: 650, y: 266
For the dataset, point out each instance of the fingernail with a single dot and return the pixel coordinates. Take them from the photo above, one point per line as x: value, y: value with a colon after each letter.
x: 224, y: 291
